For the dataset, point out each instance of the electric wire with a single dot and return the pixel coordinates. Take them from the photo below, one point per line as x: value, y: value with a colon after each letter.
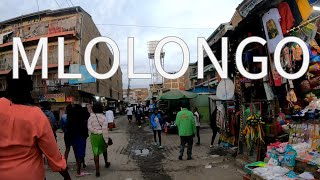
x: 149, y: 26
x: 57, y: 3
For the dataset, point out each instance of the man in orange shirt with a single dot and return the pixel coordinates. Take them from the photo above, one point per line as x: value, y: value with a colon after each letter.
x: 26, y: 135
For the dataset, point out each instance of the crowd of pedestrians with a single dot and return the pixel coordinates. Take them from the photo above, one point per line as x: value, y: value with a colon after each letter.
x: 29, y: 135
x: 29, y: 132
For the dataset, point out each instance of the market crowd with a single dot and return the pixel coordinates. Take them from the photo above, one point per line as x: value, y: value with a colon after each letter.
x: 28, y: 135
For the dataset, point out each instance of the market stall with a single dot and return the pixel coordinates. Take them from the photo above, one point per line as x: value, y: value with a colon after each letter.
x: 174, y: 99
x: 281, y: 125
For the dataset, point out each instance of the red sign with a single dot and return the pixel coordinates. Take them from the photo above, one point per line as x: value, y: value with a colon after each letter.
x: 69, y: 99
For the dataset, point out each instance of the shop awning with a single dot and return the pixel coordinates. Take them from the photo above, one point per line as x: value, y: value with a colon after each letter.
x: 178, y: 94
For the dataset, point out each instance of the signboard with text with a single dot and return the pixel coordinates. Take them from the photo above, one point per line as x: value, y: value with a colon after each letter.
x: 53, y: 97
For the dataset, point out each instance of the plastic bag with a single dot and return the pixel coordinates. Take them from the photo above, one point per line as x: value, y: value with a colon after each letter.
x: 289, y: 157
x: 306, y: 175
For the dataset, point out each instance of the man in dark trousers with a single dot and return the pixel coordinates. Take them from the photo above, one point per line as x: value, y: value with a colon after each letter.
x: 187, y: 130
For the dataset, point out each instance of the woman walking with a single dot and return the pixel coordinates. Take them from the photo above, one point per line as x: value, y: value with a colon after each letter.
x: 156, y: 122
x: 78, y: 134
x: 26, y: 135
x: 98, y: 127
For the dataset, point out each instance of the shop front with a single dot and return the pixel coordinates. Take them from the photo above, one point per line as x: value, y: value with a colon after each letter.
x: 274, y: 123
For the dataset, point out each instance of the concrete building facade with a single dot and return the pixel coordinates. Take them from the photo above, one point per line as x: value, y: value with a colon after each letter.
x: 136, y: 95
x: 78, y: 29
x: 182, y: 83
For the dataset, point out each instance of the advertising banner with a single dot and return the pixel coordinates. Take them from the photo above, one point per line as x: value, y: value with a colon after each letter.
x: 81, y: 69
x: 53, y: 97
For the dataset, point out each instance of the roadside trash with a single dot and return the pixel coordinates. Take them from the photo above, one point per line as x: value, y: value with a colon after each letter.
x: 208, y: 166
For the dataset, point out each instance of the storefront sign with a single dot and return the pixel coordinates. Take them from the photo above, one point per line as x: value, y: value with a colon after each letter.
x: 247, y: 6
x: 53, y: 97
x: 86, y: 76
x: 69, y: 99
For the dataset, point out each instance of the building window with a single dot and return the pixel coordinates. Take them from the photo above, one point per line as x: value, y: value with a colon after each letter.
x: 110, y: 93
x: 98, y: 86
x: 110, y: 61
x: 118, y: 95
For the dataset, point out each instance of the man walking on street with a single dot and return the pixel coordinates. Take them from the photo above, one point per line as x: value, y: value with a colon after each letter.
x: 129, y: 111
x: 187, y: 129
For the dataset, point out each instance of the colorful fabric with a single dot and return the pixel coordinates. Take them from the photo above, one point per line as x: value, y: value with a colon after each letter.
x: 185, y: 123
x: 305, y: 9
x: 295, y: 12
x: 98, y: 144
x: 26, y: 135
x: 287, y: 19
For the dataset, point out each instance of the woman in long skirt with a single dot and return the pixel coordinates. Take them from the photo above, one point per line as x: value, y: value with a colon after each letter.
x: 78, y: 134
x: 98, y: 128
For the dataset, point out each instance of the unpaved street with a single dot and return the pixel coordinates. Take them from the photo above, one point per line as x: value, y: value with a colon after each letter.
x: 133, y: 157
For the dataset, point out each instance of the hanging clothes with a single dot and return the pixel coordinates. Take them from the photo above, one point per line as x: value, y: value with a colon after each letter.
x: 221, y: 113
x: 272, y: 28
x: 287, y: 20
x: 305, y: 9
x: 295, y: 12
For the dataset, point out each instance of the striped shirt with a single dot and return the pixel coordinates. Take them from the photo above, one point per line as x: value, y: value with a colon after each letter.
x: 98, y: 124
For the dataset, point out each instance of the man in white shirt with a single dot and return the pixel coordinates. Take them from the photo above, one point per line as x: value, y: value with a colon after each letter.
x: 110, y: 119
x: 129, y: 111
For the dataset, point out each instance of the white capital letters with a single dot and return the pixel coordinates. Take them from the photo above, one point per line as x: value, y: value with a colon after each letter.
x: 186, y: 57
x: 61, y: 74
x: 222, y: 71
x: 116, y: 57
x: 305, y: 63
x: 18, y: 47
x: 263, y: 60
x: 131, y: 73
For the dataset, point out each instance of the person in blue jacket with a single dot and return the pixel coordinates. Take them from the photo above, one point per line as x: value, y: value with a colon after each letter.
x: 156, y: 122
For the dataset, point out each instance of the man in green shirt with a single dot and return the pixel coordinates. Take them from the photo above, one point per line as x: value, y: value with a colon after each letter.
x: 187, y: 129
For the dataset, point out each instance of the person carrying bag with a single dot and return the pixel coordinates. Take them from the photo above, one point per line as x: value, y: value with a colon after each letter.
x: 98, y: 128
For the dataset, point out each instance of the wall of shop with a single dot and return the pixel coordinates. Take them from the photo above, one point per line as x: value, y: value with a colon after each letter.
x: 202, y: 103
x: 102, y: 56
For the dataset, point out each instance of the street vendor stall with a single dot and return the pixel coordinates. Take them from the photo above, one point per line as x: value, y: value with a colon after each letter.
x: 286, y: 130
x: 175, y: 98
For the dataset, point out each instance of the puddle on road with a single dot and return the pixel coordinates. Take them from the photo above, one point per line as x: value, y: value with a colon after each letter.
x: 141, y: 152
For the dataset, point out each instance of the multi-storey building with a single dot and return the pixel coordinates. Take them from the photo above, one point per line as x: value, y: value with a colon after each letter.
x: 182, y: 83
x: 78, y: 29
x: 136, y: 95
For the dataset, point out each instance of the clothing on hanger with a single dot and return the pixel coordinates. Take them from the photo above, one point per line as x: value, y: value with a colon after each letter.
x: 287, y: 19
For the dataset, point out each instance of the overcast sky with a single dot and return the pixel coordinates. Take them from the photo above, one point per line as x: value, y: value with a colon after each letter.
x: 206, y: 15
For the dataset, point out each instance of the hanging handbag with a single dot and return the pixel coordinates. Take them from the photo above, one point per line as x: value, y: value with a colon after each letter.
x: 110, y: 142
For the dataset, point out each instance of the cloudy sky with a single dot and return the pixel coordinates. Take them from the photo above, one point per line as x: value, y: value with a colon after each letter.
x: 203, y: 16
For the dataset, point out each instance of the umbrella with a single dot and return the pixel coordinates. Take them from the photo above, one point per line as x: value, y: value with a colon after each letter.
x: 178, y: 94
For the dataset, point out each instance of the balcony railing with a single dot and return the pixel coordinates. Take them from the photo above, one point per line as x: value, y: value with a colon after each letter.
x: 35, y: 30
x: 70, y: 55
